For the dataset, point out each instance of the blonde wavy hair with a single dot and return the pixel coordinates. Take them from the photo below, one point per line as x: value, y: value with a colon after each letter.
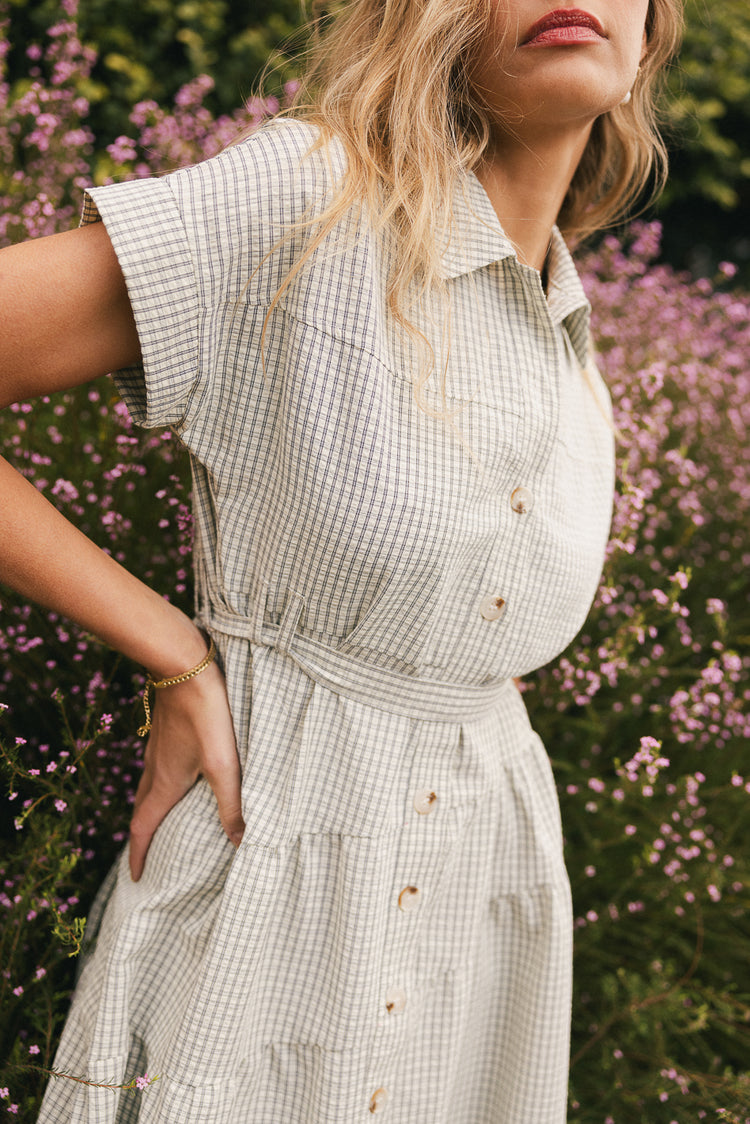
x: 391, y: 80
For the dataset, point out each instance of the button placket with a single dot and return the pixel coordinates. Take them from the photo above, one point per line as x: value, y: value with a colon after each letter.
x: 424, y: 802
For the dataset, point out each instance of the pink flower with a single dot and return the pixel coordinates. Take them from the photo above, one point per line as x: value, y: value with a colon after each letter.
x: 122, y: 150
x: 65, y: 490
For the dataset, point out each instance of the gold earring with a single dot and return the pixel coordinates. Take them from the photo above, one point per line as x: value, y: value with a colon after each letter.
x: 629, y: 96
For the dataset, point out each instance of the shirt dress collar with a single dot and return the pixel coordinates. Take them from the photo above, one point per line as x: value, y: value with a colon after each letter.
x: 478, y: 240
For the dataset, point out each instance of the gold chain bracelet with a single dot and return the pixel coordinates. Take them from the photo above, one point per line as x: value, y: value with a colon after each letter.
x: 172, y: 681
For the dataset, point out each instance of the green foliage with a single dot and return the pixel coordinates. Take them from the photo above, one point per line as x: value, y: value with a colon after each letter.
x: 710, y: 112
x: 149, y: 49
x: 708, y: 132
x: 42, y: 929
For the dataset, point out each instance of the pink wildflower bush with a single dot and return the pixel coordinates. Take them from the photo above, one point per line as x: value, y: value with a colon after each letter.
x: 645, y: 715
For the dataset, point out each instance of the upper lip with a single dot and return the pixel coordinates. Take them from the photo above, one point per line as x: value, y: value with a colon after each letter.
x: 565, y: 17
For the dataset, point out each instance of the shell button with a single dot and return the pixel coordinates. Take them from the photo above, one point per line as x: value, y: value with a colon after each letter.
x: 492, y: 607
x: 408, y: 898
x: 425, y: 801
x: 522, y: 501
x: 395, y: 1000
x: 378, y: 1099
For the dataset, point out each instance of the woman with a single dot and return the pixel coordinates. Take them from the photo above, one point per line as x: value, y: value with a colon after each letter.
x: 344, y: 892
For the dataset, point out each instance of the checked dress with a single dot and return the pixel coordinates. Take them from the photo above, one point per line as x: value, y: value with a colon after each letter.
x: 393, y: 935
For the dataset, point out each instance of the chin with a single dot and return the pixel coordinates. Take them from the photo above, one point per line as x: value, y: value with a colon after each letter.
x: 577, y: 102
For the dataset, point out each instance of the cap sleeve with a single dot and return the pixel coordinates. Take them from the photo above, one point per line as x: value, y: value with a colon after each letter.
x: 148, y: 235
x: 199, y: 246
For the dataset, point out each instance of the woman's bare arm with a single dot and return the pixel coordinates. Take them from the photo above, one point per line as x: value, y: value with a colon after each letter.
x: 65, y: 318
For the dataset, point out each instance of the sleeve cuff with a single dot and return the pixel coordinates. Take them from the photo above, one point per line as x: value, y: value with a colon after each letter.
x: 149, y: 238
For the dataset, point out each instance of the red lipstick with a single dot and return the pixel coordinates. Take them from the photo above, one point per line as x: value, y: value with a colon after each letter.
x: 563, y: 26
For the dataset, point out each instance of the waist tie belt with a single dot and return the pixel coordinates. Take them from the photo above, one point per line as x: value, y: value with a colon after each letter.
x: 376, y: 687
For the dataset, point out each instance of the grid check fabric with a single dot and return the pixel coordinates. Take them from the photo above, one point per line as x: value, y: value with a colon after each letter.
x: 393, y: 935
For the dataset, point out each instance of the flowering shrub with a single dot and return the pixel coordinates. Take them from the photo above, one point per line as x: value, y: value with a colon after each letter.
x: 645, y: 716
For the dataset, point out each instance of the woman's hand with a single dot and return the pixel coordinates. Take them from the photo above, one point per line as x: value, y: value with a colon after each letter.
x: 191, y: 735
x: 45, y: 558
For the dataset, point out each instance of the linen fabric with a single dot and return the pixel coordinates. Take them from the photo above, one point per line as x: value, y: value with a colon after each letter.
x: 393, y: 935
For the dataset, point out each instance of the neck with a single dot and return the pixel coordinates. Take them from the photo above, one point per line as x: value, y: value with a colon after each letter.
x: 526, y: 182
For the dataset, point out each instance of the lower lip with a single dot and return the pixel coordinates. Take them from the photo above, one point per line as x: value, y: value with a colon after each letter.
x: 561, y: 36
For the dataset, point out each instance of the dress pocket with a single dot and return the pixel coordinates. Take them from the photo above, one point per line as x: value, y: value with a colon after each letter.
x: 371, y: 614
x: 396, y: 624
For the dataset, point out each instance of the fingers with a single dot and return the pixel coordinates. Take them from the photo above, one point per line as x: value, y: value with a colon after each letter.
x: 147, y: 817
x: 152, y: 807
x: 155, y: 798
x: 153, y: 802
x: 144, y: 784
x: 226, y: 784
x: 140, y: 838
